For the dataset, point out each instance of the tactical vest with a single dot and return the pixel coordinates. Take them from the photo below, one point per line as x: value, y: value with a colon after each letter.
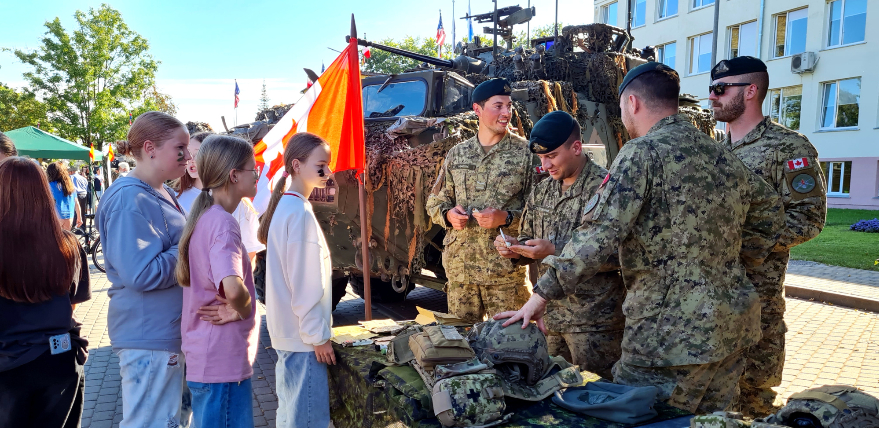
x: 829, y: 406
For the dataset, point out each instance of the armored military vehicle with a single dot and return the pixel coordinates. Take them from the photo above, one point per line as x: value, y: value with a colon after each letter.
x: 414, y: 118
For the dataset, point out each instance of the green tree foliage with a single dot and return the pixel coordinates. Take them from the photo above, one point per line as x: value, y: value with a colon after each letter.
x: 92, y: 77
x: 382, y: 62
x: 263, y: 98
x: 537, y: 32
x: 20, y: 109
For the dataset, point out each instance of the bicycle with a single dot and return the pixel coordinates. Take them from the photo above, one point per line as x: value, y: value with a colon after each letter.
x: 90, y: 240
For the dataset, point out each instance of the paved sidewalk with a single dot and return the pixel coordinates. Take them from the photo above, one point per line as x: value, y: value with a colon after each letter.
x: 834, y: 279
x: 825, y: 343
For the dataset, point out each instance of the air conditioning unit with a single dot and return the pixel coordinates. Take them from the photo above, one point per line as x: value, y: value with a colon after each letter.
x: 803, y: 62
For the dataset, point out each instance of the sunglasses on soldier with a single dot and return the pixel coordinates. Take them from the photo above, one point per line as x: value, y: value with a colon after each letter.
x: 720, y: 88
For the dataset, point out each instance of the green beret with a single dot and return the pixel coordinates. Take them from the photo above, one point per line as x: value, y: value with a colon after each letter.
x: 490, y: 88
x: 736, y: 66
x: 641, y: 69
x: 551, y: 131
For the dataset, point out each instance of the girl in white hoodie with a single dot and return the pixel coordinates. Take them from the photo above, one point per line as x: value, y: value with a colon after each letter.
x: 298, y: 290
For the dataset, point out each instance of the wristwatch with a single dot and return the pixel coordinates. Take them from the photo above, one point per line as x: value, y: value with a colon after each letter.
x: 509, y: 219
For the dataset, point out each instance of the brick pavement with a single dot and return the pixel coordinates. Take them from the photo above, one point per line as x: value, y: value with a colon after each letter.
x: 836, y: 279
x: 826, y: 344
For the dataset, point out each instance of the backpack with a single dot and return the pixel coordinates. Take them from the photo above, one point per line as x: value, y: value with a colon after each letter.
x: 470, y: 400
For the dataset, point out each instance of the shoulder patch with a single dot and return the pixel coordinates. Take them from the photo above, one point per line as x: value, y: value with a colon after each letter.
x: 803, y: 183
x: 591, y: 203
x: 539, y: 170
x: 797, y: 164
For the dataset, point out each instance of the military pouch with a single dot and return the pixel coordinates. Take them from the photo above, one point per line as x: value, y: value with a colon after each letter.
x: 471, y: 400
x: 398, y: 348
x: 470, y: 366
x: 560, y: 375
x: 439, y: 345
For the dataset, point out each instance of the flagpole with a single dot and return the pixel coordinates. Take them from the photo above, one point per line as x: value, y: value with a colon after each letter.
x: 453, y: 25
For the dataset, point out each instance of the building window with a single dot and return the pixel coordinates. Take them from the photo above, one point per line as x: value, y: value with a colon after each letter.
x: 702, y: 3
x: 743, y: 40
x: 609, y: 14
x: 639, y: 15
x: 784, y: 106
x: 848, y: 22
x: 838, y: 176
x: 666, y: 54
x: 667, y: 8
x: 790, y: 33
x: 700, y: 53
x: 841, y: 103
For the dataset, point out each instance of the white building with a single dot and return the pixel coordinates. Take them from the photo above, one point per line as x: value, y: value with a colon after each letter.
x: 836, y: 105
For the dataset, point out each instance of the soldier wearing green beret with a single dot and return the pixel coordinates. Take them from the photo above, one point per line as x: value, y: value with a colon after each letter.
x: 482, y: 187
x: 585, y: 328
x: 684, y: 214
x: 789, y: 163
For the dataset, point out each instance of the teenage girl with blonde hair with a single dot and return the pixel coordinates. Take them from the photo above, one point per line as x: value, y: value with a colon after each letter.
x: 219, y: 325
x: 298, y: 286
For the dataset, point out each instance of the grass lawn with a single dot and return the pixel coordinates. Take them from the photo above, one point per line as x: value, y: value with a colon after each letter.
x: 839, y: 246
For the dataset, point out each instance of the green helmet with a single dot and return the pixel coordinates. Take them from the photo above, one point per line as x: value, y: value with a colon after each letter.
x: 829, y: 406
x: 519, y: 355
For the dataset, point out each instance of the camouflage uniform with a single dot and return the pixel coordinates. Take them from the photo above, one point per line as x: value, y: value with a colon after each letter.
x: 587, y: 327
x: 480, y: 280
x: 767, y: 150
x: 684, y: 213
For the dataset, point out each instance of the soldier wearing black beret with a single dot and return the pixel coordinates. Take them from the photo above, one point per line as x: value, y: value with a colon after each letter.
x: 482, y: 187
x: 789, y: 163
x: 586, y: 329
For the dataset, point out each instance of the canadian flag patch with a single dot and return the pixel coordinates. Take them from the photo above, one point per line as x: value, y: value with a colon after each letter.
x: 795, y: 164
x: 539, y: 169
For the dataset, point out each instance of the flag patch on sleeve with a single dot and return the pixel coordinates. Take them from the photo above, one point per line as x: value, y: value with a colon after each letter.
x: 798, y: 163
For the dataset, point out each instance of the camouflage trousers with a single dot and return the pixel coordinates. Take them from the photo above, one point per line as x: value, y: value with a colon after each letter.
x: 696, y: 388
x: 472, y: 302
x: 593, y: 351
x: 765, y: 360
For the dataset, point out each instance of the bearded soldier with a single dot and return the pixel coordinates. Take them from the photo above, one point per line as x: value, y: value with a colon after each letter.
x: 684, y: 214
x: 482, y: 187
x: 789, y: 163
x: 585, y: 328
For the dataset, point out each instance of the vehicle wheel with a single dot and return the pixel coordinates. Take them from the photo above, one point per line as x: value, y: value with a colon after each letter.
x: 339, y: 287
x: 382, y: 292
x: 98, y: 255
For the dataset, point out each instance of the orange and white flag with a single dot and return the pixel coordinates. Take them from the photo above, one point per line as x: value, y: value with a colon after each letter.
x: 331, y: 108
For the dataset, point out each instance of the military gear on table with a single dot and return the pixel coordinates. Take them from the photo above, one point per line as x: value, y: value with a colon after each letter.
x: 551, y: 131
x: 727, y: 420
x: 788, y: 162
x: 593, y: 351
x: 696, y: 388
x: 684, y: 214
x: 398, y: 349
x: 474, y: 179
x: 446, y: 371
x: 555, y: 216
x: 439, y: 345
x: 618, y: 403
x: 490, y: 88
x: 641, y: 69
x: 561, y: 374
x: 519, y: 355
x: 470, y: 400
x: 737, y: 66
x: 829, y: 406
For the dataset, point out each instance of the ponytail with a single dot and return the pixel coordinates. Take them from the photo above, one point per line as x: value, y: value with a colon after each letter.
x: 219, y: 155
x: 299, y: 147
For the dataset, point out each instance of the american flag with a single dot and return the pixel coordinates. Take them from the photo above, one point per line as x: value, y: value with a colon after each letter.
x: 237, y: 91
x: 440, y: 32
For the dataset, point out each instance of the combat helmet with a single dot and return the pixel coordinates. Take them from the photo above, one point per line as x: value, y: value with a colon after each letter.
x: 829, y: 406
x: 519, y: 355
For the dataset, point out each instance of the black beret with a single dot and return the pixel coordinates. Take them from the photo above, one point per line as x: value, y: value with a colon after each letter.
x: 490, y: 88
x: 736, y: 66
x: 641, y: 69
x: 551, y: 131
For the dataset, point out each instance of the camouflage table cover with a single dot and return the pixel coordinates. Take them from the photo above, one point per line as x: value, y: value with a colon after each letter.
x: 365, y: 392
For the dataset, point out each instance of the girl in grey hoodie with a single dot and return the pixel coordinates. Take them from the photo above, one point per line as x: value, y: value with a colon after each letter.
x: 140, y: 223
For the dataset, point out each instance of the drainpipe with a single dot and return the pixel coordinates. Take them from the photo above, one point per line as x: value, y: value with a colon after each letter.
x: 760, y: 30
x: 714, y: 35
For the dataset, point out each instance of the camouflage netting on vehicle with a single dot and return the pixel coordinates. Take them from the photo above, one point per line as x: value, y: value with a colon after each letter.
x: 196, y: 127
x: 702, y: 118
x: 366, y: 392
x: 273, y: 114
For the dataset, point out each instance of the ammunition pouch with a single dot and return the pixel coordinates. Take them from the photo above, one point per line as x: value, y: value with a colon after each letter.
x: 439, y: 345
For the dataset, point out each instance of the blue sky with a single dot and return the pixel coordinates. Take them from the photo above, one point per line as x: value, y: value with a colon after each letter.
x: 204, y: 45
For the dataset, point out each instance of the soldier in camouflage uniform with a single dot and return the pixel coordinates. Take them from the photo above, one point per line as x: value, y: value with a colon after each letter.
x: 482, y: 186
x: 789, y: 163
x: 585, y: 328
x: 684, y: 214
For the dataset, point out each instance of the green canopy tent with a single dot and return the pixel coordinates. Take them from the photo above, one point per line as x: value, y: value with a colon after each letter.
x: 37, y: 143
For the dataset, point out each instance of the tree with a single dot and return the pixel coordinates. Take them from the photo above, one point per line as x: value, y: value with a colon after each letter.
x: 91, y: 78
x: 382, y: 62
x: 263, y: 98
x: 20, y: 109
x: 537, y: 32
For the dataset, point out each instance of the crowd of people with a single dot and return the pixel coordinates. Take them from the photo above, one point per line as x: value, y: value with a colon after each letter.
x: 665, y: 270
